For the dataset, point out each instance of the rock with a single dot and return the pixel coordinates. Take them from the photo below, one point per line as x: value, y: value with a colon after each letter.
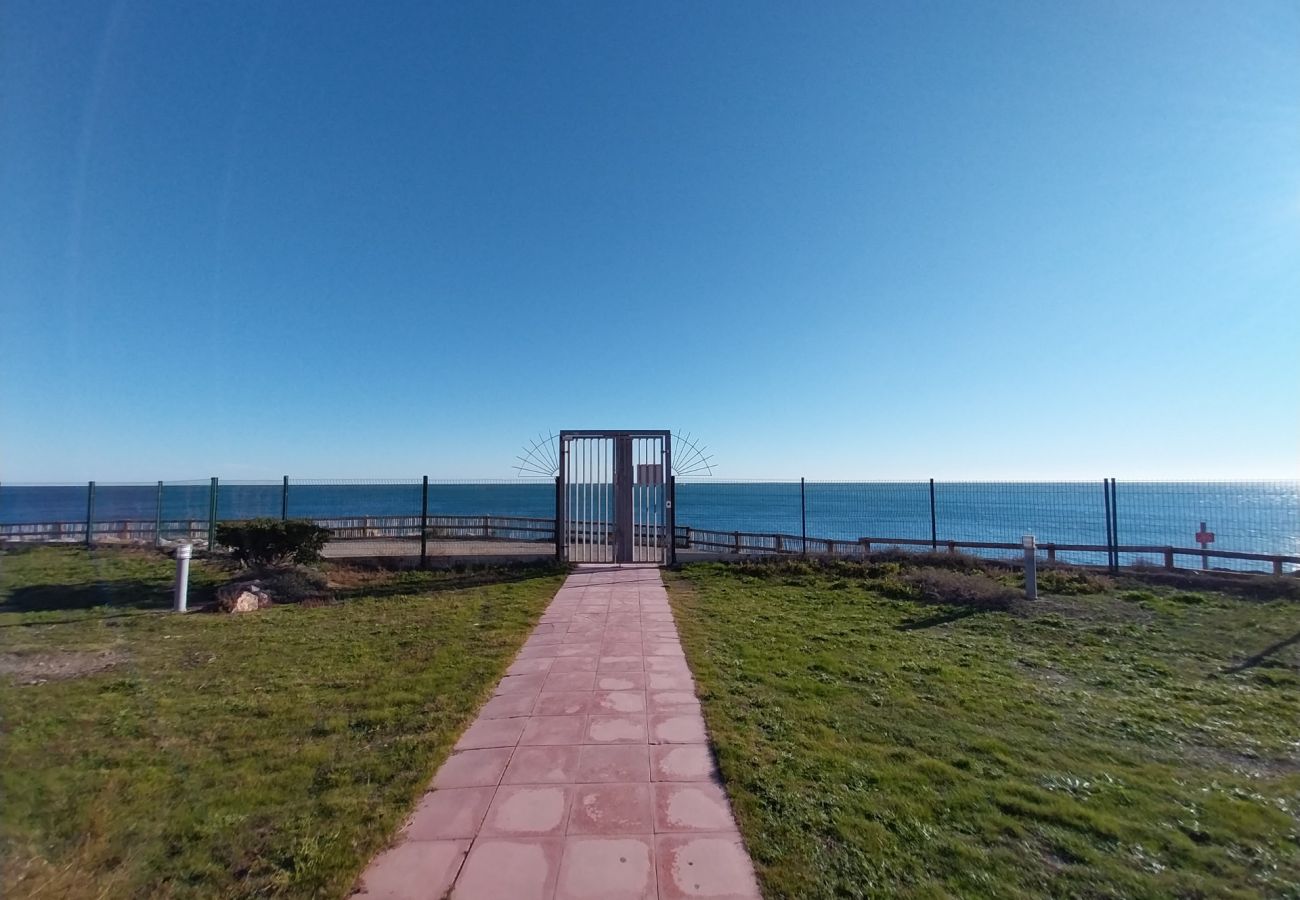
x: 242, y: 596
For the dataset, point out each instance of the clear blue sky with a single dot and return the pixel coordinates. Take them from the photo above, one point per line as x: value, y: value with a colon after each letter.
x: 858, y: 240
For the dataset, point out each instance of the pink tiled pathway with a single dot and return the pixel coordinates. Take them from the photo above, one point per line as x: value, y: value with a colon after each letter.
x: 588, y: 776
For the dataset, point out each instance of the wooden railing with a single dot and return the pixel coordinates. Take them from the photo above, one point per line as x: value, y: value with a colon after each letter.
x: 760, y: 543
x: 344, y: 528
x: 531, y: 529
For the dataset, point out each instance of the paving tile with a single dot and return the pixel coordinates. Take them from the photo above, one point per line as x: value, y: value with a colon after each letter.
x: 413, y: 870
x: 622, y: 729
x: 510, y: 869
x: 605, y: 702
x: 450, y: 813
x: 676, y: 728
x: 668, y: 664
x: 538, y: 666
x: 562, y: 703
x: 670, y: 649
x: 621, y: 648
x: 584, y: 648
x: 572, y: 789
x: 472, y: 768
x: 491, y: 733
x: 574, y: 664
x: 569, y: 681
x: 682, y: 762
x: 611, y: 809
x: 517, y: 684
x: 691, y: 806
x: 607, y: 868
x: 543, y: 765
x: 621, y: 681
x: 528, y: 810
x: 541, y: 640
x: 712, y: 866
x: 613, y: 762
x: 553, y: 730
x: 613, y: 664
x: 504, y: 706
x: 672, y: 701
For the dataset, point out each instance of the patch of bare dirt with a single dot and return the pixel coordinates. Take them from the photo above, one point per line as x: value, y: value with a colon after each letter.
x: 37, y: 668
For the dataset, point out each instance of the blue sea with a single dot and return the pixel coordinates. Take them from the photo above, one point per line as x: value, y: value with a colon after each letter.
x: 1257, y: 517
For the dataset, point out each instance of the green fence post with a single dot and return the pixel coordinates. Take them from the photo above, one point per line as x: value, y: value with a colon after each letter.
x: 212, y: 517
x: 559, y: 520
x: 803, y: 519
x: 90, y: 515
x: 284, y: 500
x: 157, y: 518
x: 934, y: 522
x: 424, y: 524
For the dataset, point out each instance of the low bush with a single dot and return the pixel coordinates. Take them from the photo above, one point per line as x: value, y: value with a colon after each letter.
x: 1073, y: 582
x: 960, y: 589
x: 273, y: 542
x: 296, y: 585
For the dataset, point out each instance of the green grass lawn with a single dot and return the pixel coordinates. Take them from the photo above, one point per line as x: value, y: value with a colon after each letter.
x: 1143, y: 741
x: 147, y: 754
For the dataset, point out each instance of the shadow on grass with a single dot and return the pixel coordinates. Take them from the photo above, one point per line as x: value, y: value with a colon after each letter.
x: 146, y: 594
x: 939, y: 618
x: 132, y: 594
x: 417, y: 582
x: 1262, y: 656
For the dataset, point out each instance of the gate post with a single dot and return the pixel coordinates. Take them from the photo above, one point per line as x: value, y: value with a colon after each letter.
x: 671, y: 515
x: 559, y: 518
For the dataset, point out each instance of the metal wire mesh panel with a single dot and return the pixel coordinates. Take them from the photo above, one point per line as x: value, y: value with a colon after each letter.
x: 860, y: 512
x: 124, y: 513
x: 185, y: 510
x: 1236, y: 525
x: 492, y: 517
x: 1003, y: 512
x: 1261, y: 517
x: 367, y: 517
x: 240, y: 500
x: 738, y: 516
x: 43, y: 513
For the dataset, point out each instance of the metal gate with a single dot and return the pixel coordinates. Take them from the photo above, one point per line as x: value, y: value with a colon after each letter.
x: 614, y: 502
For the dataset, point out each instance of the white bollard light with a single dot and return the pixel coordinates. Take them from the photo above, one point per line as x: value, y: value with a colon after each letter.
x: 1031, y: 567
x: 181, y: 591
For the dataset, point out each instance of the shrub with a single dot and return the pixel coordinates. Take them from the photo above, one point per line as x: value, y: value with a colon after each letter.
x: 1072, y: 582
x: 272, y: 542
x: 296, y: 585
x: 960, y: 589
